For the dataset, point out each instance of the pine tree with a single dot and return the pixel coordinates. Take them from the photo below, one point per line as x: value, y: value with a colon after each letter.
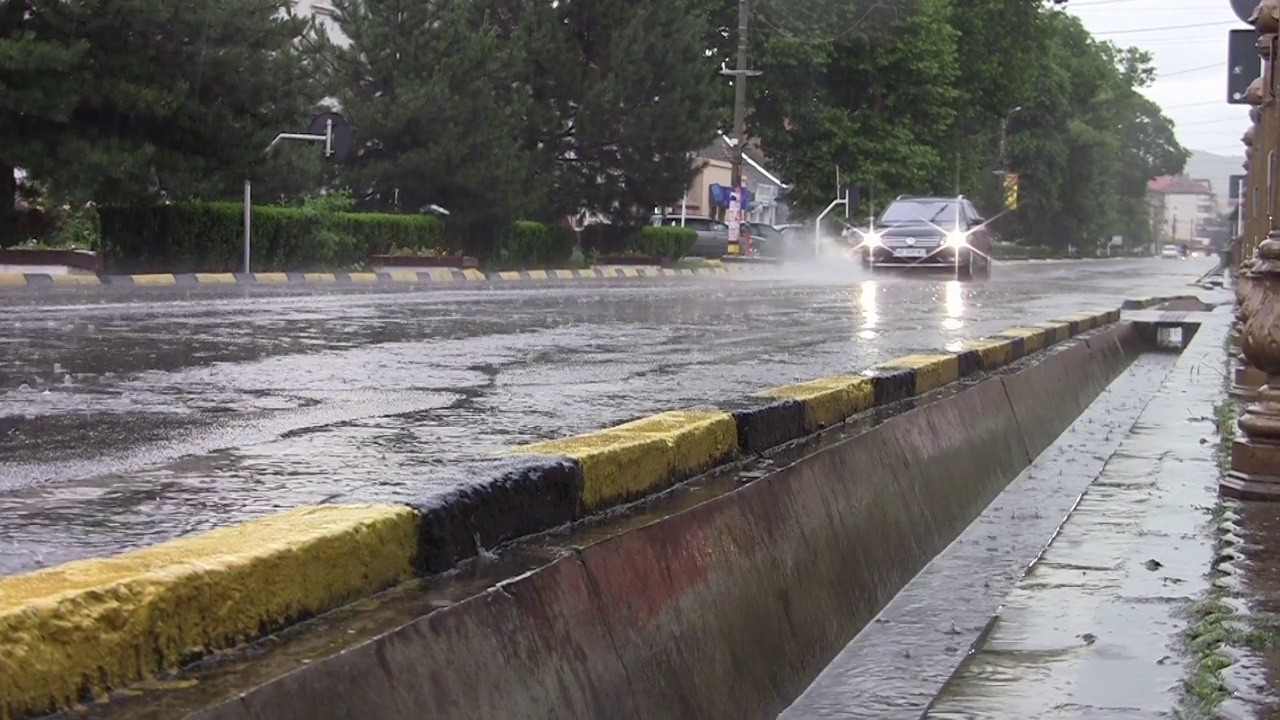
x: 623, y: 96
x: 171, y: 95
x: 429, y: 88
x: 40, y: 85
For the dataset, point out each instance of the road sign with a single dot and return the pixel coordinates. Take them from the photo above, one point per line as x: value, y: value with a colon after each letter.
x: 337, y: 132
x: 1243, y: 8
x: 1234, y: 185
x: 1010, y: 184
x: 1244, y: 64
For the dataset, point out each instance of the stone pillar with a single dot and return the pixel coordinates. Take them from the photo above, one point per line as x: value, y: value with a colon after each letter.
x: 1246, y: 379
x: 1255, y: 165
x: 1255, y: 455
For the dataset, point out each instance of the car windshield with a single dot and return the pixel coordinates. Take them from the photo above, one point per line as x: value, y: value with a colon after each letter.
x: 939, y: 212
x: 703, y: 224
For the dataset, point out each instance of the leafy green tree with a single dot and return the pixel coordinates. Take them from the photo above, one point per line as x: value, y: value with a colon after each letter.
x: 1090, y: 142
x: 873, y: 96
x: 997, y: 40
x: 431, y: 89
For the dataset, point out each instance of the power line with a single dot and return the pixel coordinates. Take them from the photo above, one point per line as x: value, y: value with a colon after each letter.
x: 1096, y: 3
x: 1168, y: 27
x: 1190, y: 70
x: 1242, y: 120
x: 1194, y: 104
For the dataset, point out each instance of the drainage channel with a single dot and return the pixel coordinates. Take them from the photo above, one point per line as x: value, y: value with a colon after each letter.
x: 898, y: 663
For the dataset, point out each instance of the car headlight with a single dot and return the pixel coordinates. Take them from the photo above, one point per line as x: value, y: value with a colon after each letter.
x: 957, y: 239
x: 872, y: 239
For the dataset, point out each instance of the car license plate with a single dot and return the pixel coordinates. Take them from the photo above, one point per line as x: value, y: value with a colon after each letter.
x: 911, y: 252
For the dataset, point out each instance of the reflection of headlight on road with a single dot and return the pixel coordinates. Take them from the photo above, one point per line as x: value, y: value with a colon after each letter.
x: 957, y: 239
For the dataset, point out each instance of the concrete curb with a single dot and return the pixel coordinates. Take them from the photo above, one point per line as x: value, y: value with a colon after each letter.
x: 528, y: 490
x: 425, y: 277
x: 84, y: 628
x: 724, y: 609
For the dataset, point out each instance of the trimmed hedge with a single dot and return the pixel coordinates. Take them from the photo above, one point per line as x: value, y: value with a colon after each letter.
x: 533, y: 244
x: 670, y: 243
x: 208, y: 237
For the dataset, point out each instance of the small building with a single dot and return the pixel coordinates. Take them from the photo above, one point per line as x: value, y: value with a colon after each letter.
x: 1180, y: 205
x: 716, y: 168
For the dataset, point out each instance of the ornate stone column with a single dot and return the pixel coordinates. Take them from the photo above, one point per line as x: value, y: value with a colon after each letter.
x: 1255, y: 455
x: 1246, y: 379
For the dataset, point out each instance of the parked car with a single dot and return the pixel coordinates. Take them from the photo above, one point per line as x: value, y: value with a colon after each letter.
x: 1170, y: 252
x: 930, y: 233
x: 768, y: 241
x: 713, y: 235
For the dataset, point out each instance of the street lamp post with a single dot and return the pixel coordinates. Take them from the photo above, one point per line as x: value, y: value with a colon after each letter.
x: 1004, y: 139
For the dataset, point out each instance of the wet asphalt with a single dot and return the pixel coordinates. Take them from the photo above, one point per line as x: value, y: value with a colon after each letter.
x: 133, y: 415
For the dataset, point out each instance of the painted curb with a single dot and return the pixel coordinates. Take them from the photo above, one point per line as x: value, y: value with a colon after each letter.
x: 84, y: 628
x: 433, y: 276
x: 139, y: 614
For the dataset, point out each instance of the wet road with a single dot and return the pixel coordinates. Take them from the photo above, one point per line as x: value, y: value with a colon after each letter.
x: 132, y: 416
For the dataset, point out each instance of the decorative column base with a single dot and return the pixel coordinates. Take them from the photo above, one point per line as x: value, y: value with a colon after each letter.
x: 1255, y: 456
x: 1246, y: 380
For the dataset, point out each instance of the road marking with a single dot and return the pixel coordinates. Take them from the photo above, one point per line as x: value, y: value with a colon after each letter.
x: 155, y: 279
x: 215, y: 278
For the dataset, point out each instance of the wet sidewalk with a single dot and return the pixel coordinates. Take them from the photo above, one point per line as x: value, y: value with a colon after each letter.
x: 1095, y: 627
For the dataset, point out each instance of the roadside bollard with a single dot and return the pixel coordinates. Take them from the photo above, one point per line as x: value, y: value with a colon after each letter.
x: 1255, y: 455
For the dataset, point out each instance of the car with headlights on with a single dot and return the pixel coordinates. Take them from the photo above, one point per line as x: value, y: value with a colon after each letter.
x: 921, y: 233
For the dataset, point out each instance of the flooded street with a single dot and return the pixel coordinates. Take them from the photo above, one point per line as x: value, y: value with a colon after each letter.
x: 129, y: 416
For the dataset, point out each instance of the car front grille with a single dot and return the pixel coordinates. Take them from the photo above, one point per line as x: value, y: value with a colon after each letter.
x: 926, y: 242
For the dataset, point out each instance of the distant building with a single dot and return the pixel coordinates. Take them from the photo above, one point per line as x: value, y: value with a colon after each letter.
x: 1179, y: 207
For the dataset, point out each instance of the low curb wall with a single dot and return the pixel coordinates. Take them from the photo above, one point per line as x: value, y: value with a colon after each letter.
x: 76, y: 631
x: 724, y: 610
x: 434, y: 276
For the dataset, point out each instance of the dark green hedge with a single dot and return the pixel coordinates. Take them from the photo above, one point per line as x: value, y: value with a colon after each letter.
x: 207, y: 237
x: 671, y: 243
x: 533, y: 244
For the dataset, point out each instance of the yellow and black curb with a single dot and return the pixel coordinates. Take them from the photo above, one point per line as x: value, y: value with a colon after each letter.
x: 436, y: 276
x: 88, y: 627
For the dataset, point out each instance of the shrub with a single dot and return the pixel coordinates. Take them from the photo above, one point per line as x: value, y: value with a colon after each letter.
x: 207, y: 237
x: 532, y: 244
x: 1014, y: 251
x: 668, y: 243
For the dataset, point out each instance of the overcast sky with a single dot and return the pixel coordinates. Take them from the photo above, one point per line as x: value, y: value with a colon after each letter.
x: 1188, y: 39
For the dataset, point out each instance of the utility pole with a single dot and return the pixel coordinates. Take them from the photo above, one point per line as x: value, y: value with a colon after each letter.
x: 740, y: 75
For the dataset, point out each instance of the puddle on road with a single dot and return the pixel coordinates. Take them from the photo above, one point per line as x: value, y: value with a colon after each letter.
x: 899, y: 662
